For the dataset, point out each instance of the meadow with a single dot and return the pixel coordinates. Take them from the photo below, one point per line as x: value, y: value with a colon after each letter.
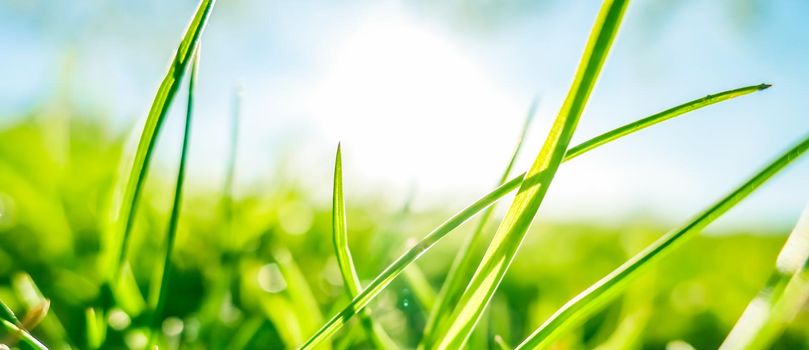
x: 99, y: 250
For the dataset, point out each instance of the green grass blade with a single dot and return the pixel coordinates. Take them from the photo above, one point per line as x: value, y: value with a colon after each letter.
x: 663, y: 116
x: 422, y: 291
x: 394, y: 269
x: 587, y: 302
x: 511, y: 232
x: 775, y: 305
x: 94, y: 327
x: 348, y: 271
x: 154, y: 121
x: 339, y: 234
x: 10, y: 334
x: 30, y: 295
x: 299, y: 291
x: 174, y: 218
x: 501, y: 343
x: 7, y: 314
x: 462, y: 267
x: 230, y: 174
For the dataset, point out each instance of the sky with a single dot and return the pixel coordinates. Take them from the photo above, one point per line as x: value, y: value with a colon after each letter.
x: 430, y: 97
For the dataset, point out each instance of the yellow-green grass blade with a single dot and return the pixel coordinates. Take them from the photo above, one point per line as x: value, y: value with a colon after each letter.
x: 7, y: 314
x: 663, y: 116
x: 154, y: 121
x: 600, y: 293
x: 501, y: 343
x: 422, y: 291
x: 775, y: 305
x: 511, y: 232
x: 395, y: 268
x: 48, y: 325
x: 299, y: 292
x: 462, y: 267
x: 95, y: 328
x: 11, y: 334
x: 348, y: 271
x: 174, y: 216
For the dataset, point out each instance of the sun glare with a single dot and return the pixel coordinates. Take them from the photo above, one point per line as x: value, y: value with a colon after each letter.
x: 407, y: 97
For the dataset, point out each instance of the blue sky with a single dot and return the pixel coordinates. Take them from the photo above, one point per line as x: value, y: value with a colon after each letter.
x: 434, y: 95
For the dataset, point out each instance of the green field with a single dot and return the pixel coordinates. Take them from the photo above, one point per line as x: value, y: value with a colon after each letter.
x: 100, y: 249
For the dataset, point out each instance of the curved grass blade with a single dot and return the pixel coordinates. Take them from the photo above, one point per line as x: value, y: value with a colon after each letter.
x: 776, y: 304
x: 665, y: 115
x: 174, y: 218
x: 597, y: 295
x: 511, y: 232
x: 348, y: 271
x: 154, y: 121
x: 462, y: 267
x: 395, y: 268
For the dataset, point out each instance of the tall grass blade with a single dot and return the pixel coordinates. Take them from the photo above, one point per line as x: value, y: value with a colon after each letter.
x: 395, y: 268
x: 174, y: 218
x: 597, y: 295
x: 777, y: 303
x: 154, y: 121
x: 462, y: 267
x: 230, y: 174
x: 348, y: 271
x: 511, y: 232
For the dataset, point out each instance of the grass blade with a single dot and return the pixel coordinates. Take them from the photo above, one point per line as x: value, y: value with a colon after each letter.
x: 501, y: 343
x: 48, y: 324
x: 14, y: 331
x: 587, y: 302
x: 511, y: 232
x: 230, y: 175
x: 348, y: 271
x: 461, y: 269
x: 154, y: 121
x: 299, y: 292
x: 174, y: 218
x: 422, y: 291
x: 11, y: 334
x: 663, y: 116
x: 776, y: 304
x: 395, y: 268
x: 7, y: 314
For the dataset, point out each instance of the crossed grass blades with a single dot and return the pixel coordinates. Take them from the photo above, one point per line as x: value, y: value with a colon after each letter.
x: 465, y: 294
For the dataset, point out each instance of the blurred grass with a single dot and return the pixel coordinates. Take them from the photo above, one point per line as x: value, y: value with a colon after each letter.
x: 53, y: 220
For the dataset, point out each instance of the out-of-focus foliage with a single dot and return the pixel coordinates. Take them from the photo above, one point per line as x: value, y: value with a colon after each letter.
x: 267, y: 281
